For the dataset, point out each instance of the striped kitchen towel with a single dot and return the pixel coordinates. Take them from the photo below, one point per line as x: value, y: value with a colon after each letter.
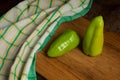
x: 25, y: 30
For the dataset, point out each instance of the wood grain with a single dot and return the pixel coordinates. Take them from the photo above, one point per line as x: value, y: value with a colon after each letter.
x: 75, y: 65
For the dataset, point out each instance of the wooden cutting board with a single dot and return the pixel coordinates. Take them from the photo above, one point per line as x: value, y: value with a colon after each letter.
x: 75, y: 65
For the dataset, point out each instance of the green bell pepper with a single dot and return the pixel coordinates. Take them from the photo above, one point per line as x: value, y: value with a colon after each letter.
x: 63, y: 44
x: 94, y: 37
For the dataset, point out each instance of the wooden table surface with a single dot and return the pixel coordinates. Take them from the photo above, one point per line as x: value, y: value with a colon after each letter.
x: 75, y: 65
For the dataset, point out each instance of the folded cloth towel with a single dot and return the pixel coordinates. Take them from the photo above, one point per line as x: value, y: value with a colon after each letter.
x: 25, y: 30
